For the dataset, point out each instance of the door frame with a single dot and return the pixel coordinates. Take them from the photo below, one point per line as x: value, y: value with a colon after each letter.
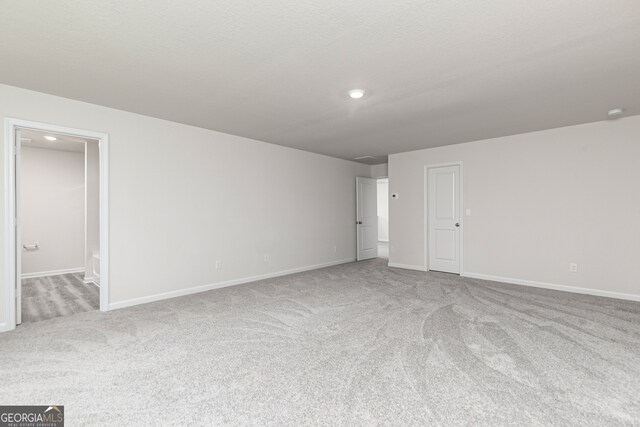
x: 10, y: 250
x: 425, y: 194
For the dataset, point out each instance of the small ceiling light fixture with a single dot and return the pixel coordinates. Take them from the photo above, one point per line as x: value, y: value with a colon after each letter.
x: 50, y: 138
x: 615, y: 113
x: 356, y: 93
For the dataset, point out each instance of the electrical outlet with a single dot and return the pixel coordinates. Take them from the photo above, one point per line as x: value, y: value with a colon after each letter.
x: 266, y: 258
x: 218, y: 265
x: 573, y: 267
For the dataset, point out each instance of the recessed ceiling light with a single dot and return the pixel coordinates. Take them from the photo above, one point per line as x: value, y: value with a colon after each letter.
x: 615, y: 112
x: 356, y: 93
x: 50, y: 138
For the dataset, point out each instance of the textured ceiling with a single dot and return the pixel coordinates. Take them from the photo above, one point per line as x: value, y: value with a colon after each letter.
x: 436, y: 72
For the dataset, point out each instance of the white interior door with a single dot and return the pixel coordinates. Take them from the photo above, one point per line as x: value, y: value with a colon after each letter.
x: 444, y: 205
x: 18, y: 229
x: 367, y: 217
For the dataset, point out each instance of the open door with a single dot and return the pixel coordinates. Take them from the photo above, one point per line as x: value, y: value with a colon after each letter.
x: 18, y: 229
x: 367, y: 218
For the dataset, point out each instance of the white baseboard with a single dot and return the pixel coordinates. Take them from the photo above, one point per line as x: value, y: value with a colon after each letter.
x: 204, y: 288
x: 3, y: 327
x: 91, y: 279
x: 52, y: 273
x: 553, y: 286
x: 407, y: 266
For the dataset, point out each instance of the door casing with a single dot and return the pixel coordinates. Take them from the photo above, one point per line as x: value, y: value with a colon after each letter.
x: 11, y: 125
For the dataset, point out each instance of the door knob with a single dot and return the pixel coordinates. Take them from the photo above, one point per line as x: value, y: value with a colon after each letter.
x: 457, y: 224
x: 358, y: 222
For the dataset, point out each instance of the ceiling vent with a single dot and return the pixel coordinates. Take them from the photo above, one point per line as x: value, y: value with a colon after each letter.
x: 369, y: 160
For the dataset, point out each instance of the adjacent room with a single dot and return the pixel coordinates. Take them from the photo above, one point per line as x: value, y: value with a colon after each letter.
x: 383, y: 218
x: 58, y: 205
x: 320, y: 213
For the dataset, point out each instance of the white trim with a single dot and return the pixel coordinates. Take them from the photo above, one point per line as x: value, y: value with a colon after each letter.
x: 425, y: 208
x: 407, y: 266
x: 9, y: 231
x: 553, y: 286
x: 10, y: 126
x: 52, y: 273
x: 91, y: 279
x: 204, y: 288
x: 3, y: 327
x: 103, y: 159
x: 383, y: 241
x: 86, y: 209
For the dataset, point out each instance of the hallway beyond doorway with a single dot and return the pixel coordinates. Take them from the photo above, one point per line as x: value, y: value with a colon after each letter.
x: 383, y: 250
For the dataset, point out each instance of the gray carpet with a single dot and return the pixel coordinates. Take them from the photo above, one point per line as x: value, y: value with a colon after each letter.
x: 54, y: 296
x: 356, y: 344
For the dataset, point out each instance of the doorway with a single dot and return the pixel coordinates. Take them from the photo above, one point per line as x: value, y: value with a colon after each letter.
x: 383, y: 218
x: 372, y: 221
x: 444, y: 217
x: 56, y: 221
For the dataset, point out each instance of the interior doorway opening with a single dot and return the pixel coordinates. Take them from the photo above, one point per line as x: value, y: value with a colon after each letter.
x: 383, y: 218
x: 372, y: 218
x: 56, y: 211
x: 59, y: 235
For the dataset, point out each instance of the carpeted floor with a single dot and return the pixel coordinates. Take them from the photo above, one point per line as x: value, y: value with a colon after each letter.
x: 355, y: 344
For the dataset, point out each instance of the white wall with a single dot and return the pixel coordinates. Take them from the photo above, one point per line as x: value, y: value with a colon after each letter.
x: 539, y: 201
x: 52, y: 210
x: 182, y: 197
x: 383, y: 210
x: 380, y: 171
x: 92, y: 203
